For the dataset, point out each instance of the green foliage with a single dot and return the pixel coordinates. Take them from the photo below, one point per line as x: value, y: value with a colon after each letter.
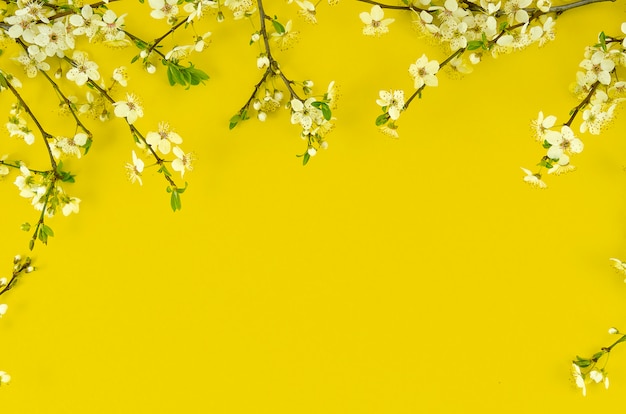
x: 25, y: 226
x: 382, y: 119
x: 602, y: 39
x: 280, y: 29
x: 185, y: 76
x: 175, y: 201
x: 241, y: 116
x: 475, y: 44
x: 44, y: 232
x: 305, y: 157
x: 323, y: 106
x: 64, y: 176
x: 582, y: 362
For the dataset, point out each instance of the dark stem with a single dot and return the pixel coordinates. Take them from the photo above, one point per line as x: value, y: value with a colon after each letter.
x: 583, y: 103
x: 43, y: 132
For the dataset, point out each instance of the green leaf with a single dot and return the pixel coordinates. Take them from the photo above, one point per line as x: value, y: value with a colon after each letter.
x: 46, y: 229
x: 382, y: 119
x: 305, y: 158
x: 175, y: 202
x: 182, y: 190
x: 597, y: 356
x: 280, y: 29
x: 87, y: 145
x: 603, y: 41
x: 503, y: 26
x: 25, y: 227
x: 474, y: 45
x: 546, y: 144
x: 581, y: 362
x: 234, y: 121
x: 323, y: 106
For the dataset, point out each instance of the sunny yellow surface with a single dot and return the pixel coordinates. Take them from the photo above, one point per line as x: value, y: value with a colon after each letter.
x: 418, y: 275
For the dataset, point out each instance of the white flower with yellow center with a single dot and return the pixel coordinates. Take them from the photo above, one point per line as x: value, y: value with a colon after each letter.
x: 393, y: 101
x: 129, y: 109
x: 563, y: 143
x: 424, y: 72
x: 134, y: 169
x: 183, y: 161
x: 163, y: 139
x: 533, y: 179
x: 375, y: 23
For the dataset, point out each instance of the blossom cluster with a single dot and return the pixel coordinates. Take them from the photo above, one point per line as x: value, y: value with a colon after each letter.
x: 469, y: 30
x: 588, y: 370
x: 600, y: 89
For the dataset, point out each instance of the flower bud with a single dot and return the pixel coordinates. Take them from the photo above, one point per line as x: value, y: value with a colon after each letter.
x: 613, y: 331
x: 256, y: 104
x: 312, y: 151
x: 143, y: 54
x: 262, y: 116
x: 262, y: 62
x: 17, y: 258
x: 324, y: 145
x: 278, y: 95
x: 150, y: 68
x: 255, y: 37
x: 220, y: 17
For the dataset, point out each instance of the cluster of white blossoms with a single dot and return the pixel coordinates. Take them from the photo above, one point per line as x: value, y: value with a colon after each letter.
x: 469, y: 30
x: 314, y: 115
x: 45, y: 191
x: 162, y: 142
x: 600, y: 90
x: 586, y: 371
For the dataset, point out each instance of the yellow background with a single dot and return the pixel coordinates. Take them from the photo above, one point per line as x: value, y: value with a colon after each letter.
x: 418, y: 275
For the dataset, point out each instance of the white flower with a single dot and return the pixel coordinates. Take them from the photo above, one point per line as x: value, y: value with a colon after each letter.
x: 3, y: 310
x: 305, y: 114
x: 613, y: 331
x: 541, y: 125
x: 129, y: 109
x: 307, y: 10
x: 375, y: 24
x: 533, y: 179
x: 163, y: 9
x: 599, y: 67
x: 262, y: 62
x: 183, y: 162
x: 135, y: 169
x: 163, y: 139
x: 120, y: 75
x: 515, y: 10
x: 596, y: 376
x: 84, y: 69
x: 544, y: 5
x: 393, y: 100
x: 563, y: 143
x: 86, y: 23
x: 423, y: 72
x: 579, y: 378
x: 71, y: 206
x: 4, y: 378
